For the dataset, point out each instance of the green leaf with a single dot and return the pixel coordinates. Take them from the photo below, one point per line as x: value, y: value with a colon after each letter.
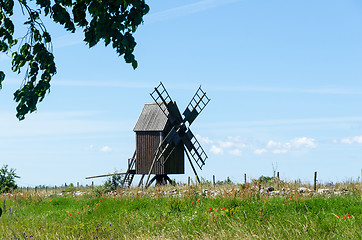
x: 47, y: 37
x: 8, y: 6
x: 2, y: 77
x: 134, y: 64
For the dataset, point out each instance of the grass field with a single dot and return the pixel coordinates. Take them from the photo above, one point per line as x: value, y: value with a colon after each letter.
x: 182, y: 212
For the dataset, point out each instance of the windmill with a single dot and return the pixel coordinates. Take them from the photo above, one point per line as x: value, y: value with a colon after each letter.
x: 163, y: 137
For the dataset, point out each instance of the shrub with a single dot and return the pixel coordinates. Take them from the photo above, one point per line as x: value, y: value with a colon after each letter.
x: 7, y: 179
x: 112, y: 183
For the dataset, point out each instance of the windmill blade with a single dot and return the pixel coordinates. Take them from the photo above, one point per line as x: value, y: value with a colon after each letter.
x: 164, y: 101
x: 196, y: 105
x: 194, y: 148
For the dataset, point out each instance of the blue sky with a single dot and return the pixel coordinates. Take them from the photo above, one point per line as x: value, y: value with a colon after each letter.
x: 284, y: 78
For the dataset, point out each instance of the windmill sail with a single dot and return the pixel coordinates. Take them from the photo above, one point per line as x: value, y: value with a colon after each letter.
x: 196, y: 105
x: 194, y: 148
x: 164, y: 101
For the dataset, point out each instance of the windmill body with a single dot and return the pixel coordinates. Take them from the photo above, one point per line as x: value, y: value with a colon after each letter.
x: 151, y: 129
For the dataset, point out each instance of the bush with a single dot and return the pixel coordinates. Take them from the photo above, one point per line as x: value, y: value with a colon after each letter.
x: 112, y: 183
x: 7, y: 179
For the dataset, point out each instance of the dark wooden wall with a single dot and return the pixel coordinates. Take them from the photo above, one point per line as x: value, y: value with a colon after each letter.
x: 146, y: 146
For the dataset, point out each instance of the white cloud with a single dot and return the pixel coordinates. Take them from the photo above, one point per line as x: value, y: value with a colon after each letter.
x: 260, y: 151
x: 106, y: 149
x: 233, y: 144
x: 293, y: 144
x: 272, y: 144
x: 235, y: 152
x: 304, y: 142
x: 216, y: 150
x: 280, y: 151
x: 351, y: 140
x: 204, y: 140
x: 225, y: 144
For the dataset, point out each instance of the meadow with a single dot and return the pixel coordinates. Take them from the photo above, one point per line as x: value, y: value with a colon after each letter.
x: 228, y: 211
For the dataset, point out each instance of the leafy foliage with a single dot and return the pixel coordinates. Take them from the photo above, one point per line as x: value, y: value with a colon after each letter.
x: 112, y: 183
x: 113, y: 21
x: 7, y: 179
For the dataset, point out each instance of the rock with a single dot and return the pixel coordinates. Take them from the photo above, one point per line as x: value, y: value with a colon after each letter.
x: 270, y: 189
x: 323, y: 190
x: 302, y: 190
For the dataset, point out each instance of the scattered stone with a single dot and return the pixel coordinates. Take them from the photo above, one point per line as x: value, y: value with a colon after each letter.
x: 323, y: 190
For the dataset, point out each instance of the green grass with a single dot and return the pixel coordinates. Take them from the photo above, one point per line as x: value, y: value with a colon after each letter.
x: 240, y: 214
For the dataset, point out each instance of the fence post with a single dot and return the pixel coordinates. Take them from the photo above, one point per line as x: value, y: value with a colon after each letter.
x: 92, y: 185
x: 213, y: 180
x: 244, y: 178
x: 278, y: 175
x: 188, y: 181
x: 315, y: 181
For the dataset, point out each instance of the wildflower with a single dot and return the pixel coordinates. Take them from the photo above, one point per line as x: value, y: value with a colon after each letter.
x: 50, y: 200
x: 222, y: 209
x: 192, y: 203
x: 110, y: 224
x: 217, y: 210
x: 210, y: 209
x: 337, y: 217
x: 348, y: 216
x: 78, y: 212
x: 198, y: 200
x: 188, y: 196
x: 31, y: 236
x: 345, y: 217
x: 70, y: 214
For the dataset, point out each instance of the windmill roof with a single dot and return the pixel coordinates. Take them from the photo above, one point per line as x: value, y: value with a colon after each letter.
x: 151, y: 119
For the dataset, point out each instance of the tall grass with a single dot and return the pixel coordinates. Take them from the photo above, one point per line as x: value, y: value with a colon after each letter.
x: 181, y: 212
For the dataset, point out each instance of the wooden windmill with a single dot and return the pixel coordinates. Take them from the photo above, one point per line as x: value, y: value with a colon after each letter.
x: 163, y: 137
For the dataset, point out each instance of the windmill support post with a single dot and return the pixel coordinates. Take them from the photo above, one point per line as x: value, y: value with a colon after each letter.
x: 141, y: 180
x: 192, y: 166
x: 156, y: 158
